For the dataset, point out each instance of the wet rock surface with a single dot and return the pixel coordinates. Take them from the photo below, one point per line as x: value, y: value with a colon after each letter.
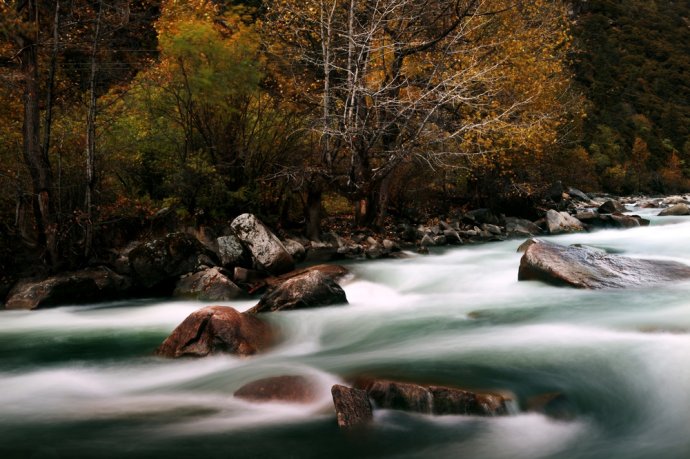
x: 308, y: 290
x: 217, y: 329
x: 583, y: 267
x: 352, y: 406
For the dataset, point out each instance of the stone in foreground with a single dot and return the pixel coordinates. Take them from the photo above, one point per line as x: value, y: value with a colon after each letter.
x: 352, y: 406
x: 309, y: 290
x: 438, y: 400
x: 287, y: 389
x: 583, y: 267
x: 268, y: 252
x: 217, y: 329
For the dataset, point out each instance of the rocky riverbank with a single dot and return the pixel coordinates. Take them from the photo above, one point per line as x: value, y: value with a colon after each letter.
x: 249, y: 258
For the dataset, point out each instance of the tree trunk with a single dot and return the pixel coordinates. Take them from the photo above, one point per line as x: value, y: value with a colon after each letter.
x: 91, y: 139
x: 313, y: 214
x: 383, y: 199
x: 35, y: 157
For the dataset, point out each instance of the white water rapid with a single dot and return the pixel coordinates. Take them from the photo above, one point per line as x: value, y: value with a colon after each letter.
x: 82, y: 381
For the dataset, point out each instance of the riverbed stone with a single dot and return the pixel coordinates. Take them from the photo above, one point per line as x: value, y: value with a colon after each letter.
x: 159, y: 262
x: 352, y: 406
x: 562, y: 222
x: 308, y: 290
x: 675, y: 210
x: 78, y: 287
x: 267, y: 251
x: 611, y: 206
x: 211, y: 284
x: 232, y: 253
x: 217, y: 329
x: 582, y: 267
x: 438, y: 400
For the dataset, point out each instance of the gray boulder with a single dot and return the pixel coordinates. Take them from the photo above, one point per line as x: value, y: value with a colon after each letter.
x: 232, y: 253
x: 295, y: 249
x: 519, y: 227
x: 207, y: 285
x: 267, y: 251
x: 562, y: 222
x: 583, y: 267
x: 217, y: 329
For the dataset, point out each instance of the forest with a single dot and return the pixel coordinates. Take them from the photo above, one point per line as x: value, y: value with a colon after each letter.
x: 121, y: 118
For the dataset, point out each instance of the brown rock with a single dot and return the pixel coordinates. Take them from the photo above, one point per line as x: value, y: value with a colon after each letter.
x: 290, y: 389
x: 352, y: 406
x: 308, y: 290
x: 675, y: 210
x: 582, y: 267
x: 217, y: 329
x: 334, y: 272
x: 611, y: 206
x: 437, y: 400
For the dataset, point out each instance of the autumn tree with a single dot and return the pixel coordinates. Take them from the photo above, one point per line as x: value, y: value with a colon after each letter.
x: 402, y: 81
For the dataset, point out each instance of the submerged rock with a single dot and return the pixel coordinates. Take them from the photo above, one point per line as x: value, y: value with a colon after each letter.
x: 308, y: 290
x: 86, y: 286
x: 352, y: 406
x: 289, y: 389
x: 582, y: 267
x: 554, y: 404
x: 267, y: 251
x: 217, y: 329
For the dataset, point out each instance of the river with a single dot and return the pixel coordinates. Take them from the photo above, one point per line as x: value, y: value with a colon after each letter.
x: 82, y: 381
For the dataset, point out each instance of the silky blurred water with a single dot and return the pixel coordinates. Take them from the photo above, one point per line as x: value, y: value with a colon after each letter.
x: 82, y: 381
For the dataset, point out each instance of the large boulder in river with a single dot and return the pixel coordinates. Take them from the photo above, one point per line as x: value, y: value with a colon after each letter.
x: 308, y: 290
x: 584, y: 267
x: 159, y: 262
x: 211, y: 284
x: 268, y: 252
x: 562, y: 222
x: 437, y: 400
x: 287, y: 389
x: 675, y: 210
x: 217, y: 329
x: 86, y: 286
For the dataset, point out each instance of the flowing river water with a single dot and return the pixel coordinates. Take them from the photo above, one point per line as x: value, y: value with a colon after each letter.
x: 82, y: 381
